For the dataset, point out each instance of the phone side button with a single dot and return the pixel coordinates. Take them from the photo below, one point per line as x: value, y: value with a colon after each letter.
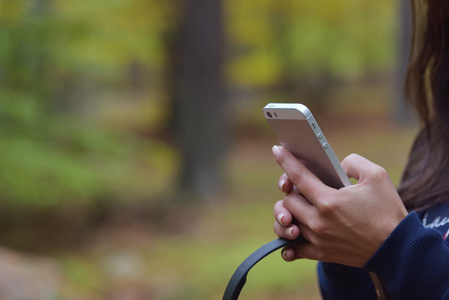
x: 320, y: 135
x: 325, y: 145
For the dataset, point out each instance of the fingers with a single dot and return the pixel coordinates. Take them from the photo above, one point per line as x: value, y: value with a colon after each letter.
x: 343, y: 226
x: 281, y: 214
x: 296, y: 250
x: 299, y: 207
x: 284, y: 184
x: 299, y: 249
x: 283, y: 226
x: 284, y: 210
x: 288, y: 254
x: 290, y: 232
x: 295, y: 212
x: 304, y: 180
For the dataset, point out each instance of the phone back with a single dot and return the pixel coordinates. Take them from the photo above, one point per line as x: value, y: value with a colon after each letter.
x: 297, y: 131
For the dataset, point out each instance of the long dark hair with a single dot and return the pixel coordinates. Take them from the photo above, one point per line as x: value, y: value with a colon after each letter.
x: 425, y: 181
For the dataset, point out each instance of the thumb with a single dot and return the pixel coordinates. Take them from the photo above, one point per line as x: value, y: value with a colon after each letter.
x: 359, y: 167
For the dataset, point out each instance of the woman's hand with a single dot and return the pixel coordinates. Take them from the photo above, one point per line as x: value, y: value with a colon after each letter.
x: 343, y: 226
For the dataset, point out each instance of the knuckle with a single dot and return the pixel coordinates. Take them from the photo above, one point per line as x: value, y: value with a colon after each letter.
x: 320, y: 255
x: 322, y: 250
x: 353, y: 156
x: 277, y: 230
x: 319, y: 228
x: 330, y: 206
x: 296, y: 175
x: 379, y: 174
x: 323, y: 255
x: 350, y: 157
x: 327, y: 207
x: 278, y: 205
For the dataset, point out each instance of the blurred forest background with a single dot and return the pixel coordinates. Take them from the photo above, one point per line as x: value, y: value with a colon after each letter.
x: 135, y: 161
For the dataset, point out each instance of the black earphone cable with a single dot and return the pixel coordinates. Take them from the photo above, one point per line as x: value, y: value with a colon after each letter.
x: 238, y: 280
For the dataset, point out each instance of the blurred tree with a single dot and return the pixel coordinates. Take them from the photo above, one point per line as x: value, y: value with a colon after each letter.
x: 402, y: 112
x: 62, y: 58
x: 198, y: 97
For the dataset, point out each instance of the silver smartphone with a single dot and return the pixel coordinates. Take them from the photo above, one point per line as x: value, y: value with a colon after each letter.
x: 297, y: 130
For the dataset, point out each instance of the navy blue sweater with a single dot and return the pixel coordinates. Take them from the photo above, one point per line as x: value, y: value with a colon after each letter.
x: 413, y: 262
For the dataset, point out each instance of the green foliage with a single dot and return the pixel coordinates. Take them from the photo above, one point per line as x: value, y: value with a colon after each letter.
x: 291, y: 38
x: 48, y: 161
x: 267, y: 39
x: 112, y: 34
x: 51, y: 156
x: 36, y: 175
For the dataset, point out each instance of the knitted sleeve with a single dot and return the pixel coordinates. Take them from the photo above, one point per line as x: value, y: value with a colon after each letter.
x: 343, y: 282
x: 413, y: 262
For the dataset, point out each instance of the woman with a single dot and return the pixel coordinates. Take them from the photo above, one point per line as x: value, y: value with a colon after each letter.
x: 370, y: 227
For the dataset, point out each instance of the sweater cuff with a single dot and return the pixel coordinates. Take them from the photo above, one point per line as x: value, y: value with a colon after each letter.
x: 344, y: 282
x: 343, y: 277
x: 392, y: 248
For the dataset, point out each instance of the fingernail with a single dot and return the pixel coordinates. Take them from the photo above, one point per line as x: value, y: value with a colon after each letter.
x: 276, y: 150
x: 281, y: 184
x: 279, y: 218
x: 284, y: 254
x: 290, y: 232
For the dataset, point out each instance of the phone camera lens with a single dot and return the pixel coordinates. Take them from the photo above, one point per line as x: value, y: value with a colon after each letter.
x: 269, y: 114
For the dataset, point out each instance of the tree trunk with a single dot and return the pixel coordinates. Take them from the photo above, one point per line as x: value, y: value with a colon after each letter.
x: 402, y: 111
x: 199, y: 101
